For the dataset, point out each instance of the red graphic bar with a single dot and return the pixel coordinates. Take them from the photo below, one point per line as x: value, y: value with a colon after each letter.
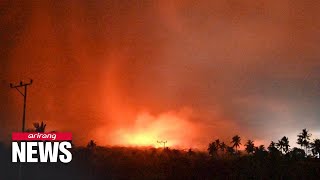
x: 35, y: 136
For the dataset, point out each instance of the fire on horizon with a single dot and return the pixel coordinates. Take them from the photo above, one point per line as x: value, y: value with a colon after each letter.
x: 185, y: 72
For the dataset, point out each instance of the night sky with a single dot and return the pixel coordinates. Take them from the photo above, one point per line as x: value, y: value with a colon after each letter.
x: 134, y: 72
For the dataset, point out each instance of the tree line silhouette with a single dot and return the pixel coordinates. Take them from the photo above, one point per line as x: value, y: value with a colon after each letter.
x: 282, y: 147
x: 223, y: 160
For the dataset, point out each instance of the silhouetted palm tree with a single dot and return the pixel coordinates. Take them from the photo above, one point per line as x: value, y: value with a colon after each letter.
x: 39, y: 127
x: 315, y: 147
x: 217, y: 141
x: 300, y: 141
x: 213, y: 149
x: 304, y: 139
x: 260, y: 151
x: 249, y: 146
x: 273, y: 149
x: 272, y: 146
x: 236, y: 142
x: 223, y: 147
x: 261, y: 148
x: 230, y: 150
x: 91, y: 145
x: 280, y: 145
x: 283, y: 144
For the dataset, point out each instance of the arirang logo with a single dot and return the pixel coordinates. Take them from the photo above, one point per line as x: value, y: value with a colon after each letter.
x: 41, y: 147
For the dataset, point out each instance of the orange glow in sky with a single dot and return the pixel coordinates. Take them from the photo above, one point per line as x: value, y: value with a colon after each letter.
x: 186, y: 72
x: 149, y: 129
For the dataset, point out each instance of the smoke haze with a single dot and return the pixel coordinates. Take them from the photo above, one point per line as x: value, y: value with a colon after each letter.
x: 126, y: 72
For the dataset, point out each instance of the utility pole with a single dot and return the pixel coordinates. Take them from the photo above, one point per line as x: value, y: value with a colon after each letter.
x: 163, y: 142
x: 25, y: 85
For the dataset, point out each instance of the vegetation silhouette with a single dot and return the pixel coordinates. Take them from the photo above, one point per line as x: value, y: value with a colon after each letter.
x: 250, y: 146
x: 221, y: 161
x: 303, y: 139
x: 214, y: 147
x: 315, y: 147
x: 38, y: 127
x: 91, y: 144
x: 236, y: 142
x: 283, y: 144
x: 223, y: 147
